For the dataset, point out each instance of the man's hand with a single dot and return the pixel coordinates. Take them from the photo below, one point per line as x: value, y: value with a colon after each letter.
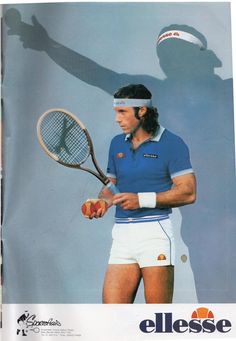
x: 94, y: 208
x: 128, y: 201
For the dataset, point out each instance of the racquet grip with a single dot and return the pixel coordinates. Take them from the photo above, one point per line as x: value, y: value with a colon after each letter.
x: 112, y: 188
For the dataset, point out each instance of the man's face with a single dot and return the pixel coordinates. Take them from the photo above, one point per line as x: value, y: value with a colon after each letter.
x: 125, y: 117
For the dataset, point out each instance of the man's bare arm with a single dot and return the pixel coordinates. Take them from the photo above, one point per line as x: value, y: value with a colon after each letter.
x: 182, y: 193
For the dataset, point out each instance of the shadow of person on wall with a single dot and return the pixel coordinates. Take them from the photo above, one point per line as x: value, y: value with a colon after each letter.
x: 196, y: 104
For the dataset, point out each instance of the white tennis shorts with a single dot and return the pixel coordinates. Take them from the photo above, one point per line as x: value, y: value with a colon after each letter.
x: 148, y: 243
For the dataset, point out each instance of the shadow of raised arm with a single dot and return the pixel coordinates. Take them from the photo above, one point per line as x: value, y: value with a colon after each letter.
x: 36, y: 37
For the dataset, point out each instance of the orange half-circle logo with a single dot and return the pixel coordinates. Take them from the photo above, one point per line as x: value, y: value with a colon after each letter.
x: 202, y: 313
x: 120, y: 155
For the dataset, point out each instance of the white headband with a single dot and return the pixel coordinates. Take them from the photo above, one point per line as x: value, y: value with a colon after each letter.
x: 132, y: 102
x: 180, y: 35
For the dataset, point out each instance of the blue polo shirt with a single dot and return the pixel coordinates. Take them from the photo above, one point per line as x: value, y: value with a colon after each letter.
x: 149, y: 168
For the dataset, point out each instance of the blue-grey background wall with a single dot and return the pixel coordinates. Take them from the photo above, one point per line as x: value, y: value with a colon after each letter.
x: 51, y: 253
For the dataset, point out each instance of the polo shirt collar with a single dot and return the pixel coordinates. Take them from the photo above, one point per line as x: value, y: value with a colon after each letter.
x: 155, y: 138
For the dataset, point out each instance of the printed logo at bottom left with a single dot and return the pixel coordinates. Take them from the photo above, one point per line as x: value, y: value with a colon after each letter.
x: 29, y: 323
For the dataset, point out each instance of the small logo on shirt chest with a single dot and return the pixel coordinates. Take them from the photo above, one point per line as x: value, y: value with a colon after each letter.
x: 120, y: 155
x: 150, y: 156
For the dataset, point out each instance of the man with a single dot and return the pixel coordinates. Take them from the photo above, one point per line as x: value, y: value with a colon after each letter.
x: 152, y: 170
x: 198, y: 107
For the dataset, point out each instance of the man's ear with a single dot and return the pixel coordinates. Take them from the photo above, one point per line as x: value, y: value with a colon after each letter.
x: 142, y: 111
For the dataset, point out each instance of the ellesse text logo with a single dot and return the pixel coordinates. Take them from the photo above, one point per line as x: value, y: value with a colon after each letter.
x: 202, y: 321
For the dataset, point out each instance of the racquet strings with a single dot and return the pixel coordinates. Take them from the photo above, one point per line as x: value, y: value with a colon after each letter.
x: 65, y: 138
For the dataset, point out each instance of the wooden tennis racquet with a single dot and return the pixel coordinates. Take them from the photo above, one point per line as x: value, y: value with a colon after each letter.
x: 66, y: 140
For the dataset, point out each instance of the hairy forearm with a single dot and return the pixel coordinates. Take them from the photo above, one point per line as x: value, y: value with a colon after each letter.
x: 182, y: 193
x: 175, y: 197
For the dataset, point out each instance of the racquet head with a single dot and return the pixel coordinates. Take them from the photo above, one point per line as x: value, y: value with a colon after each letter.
x: 64, y: 137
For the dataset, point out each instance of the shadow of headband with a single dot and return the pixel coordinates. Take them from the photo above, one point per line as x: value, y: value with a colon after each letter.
x: 176, y: 34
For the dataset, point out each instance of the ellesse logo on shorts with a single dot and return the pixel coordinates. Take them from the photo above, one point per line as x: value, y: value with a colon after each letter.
x: 161, y: 257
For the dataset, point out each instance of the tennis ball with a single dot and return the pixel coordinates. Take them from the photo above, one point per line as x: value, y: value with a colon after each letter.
x: 88, y: 209
x: 100, y: 204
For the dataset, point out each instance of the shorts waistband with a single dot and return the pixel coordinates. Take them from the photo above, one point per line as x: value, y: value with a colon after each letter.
x: 141, y: 219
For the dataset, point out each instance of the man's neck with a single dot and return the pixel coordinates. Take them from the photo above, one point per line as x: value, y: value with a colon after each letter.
x: 139, y: 137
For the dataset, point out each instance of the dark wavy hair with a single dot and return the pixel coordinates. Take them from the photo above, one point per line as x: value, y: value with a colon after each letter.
x: 149, y: 122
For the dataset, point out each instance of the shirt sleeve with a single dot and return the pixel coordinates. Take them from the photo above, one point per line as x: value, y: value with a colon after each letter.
x: 179, y: 163
x: 111, y: 168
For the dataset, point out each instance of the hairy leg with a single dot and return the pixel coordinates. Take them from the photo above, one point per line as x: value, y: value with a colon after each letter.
x: 121, y: 283
x: 158, y: 283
